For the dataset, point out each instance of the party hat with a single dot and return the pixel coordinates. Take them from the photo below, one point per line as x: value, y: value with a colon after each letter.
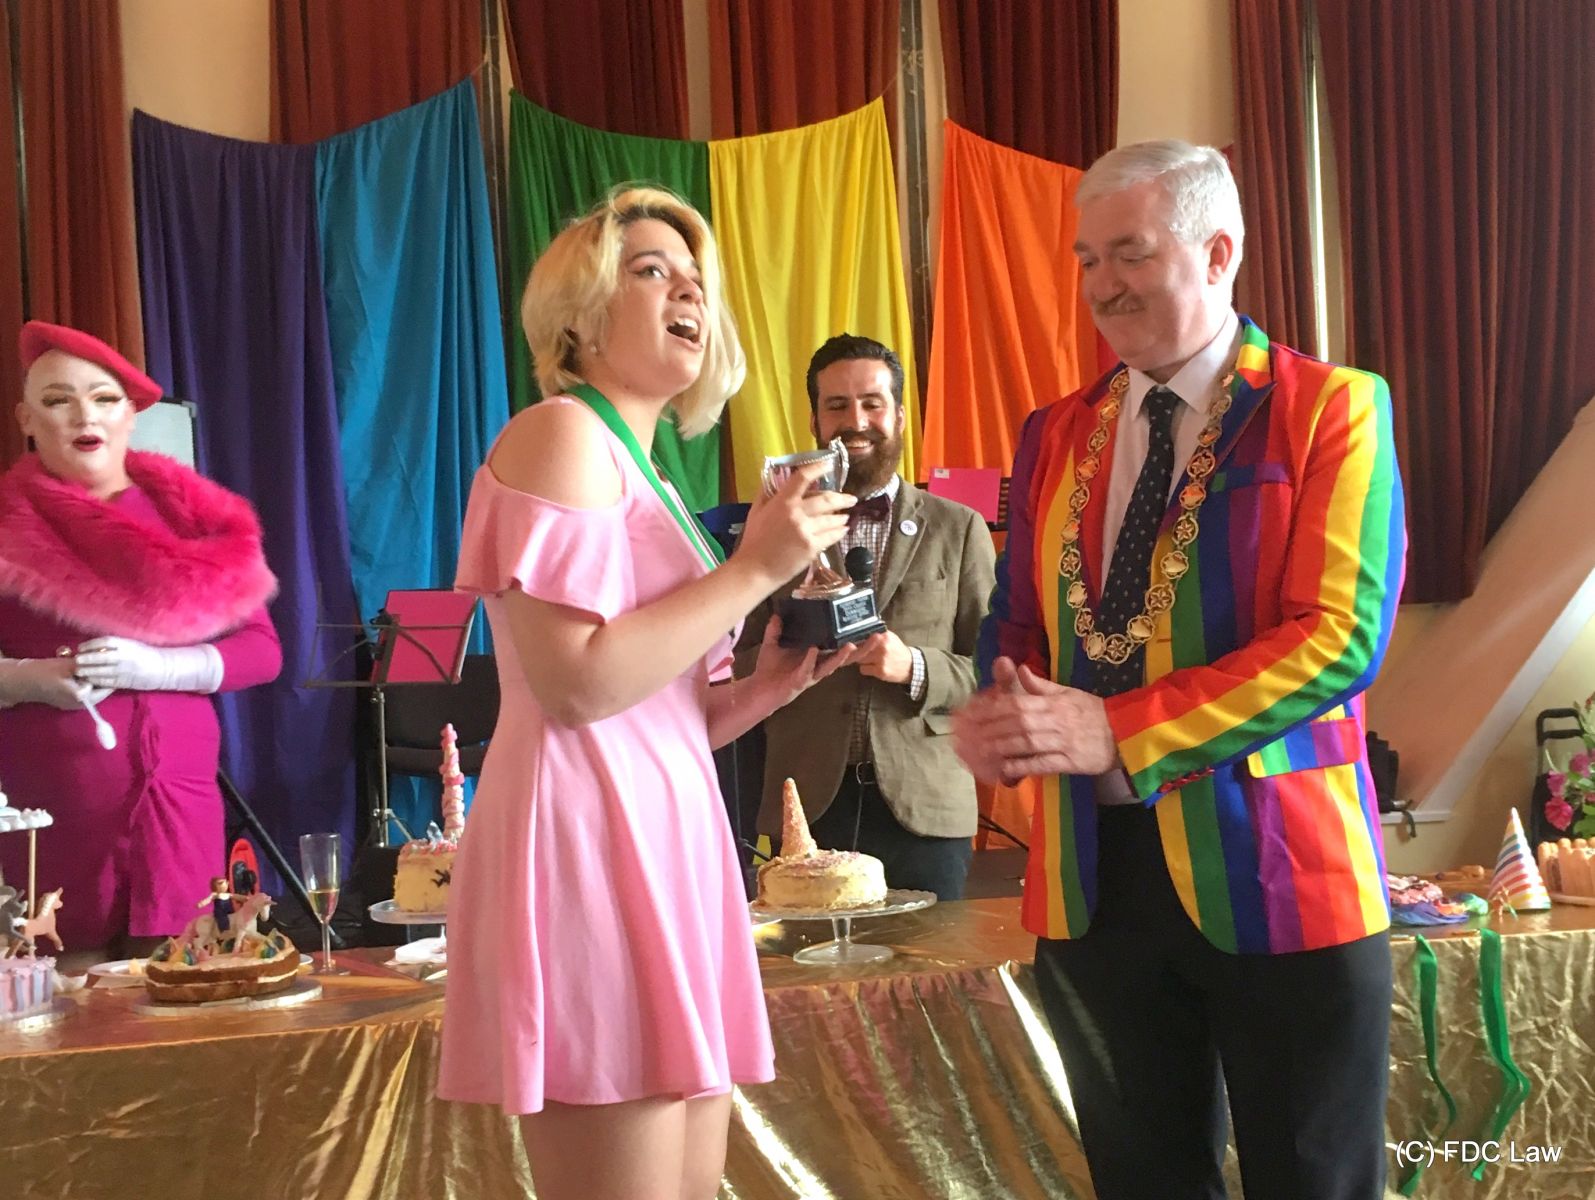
x: 796, y: 840
x: 1517, y: 882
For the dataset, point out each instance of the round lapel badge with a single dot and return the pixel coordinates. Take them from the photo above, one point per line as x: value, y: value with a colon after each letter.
x: 909, y: 528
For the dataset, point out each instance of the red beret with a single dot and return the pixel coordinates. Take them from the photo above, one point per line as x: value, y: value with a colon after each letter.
x: 39, y: 337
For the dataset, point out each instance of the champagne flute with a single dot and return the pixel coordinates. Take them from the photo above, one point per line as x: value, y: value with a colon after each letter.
x: 319, y: 863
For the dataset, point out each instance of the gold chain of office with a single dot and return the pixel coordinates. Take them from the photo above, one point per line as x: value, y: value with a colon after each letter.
x: 1116, y: 648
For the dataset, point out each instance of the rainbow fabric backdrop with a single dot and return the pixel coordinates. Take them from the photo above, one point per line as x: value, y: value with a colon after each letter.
x: 807, y: 225
x: 332, y: 311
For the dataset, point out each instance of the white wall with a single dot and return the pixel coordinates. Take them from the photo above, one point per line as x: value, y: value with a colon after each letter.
x: 1176, y: 71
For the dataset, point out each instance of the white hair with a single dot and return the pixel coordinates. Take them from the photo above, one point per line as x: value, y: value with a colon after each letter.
x: 1201, y: 190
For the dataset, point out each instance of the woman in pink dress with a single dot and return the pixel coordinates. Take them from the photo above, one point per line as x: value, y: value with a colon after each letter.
x: 131, y: 582
x: 602, y: 977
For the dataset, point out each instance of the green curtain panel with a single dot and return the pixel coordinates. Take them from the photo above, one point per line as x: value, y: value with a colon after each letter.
x: 558, y: 170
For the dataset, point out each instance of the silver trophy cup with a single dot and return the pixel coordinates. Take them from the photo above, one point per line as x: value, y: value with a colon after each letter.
x: 827, y: 608
x: 825, y: 576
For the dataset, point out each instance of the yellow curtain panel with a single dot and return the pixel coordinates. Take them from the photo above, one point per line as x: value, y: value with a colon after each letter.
x: 807, y: 223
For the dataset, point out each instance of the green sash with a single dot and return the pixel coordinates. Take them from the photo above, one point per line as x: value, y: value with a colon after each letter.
x: 708, y: 549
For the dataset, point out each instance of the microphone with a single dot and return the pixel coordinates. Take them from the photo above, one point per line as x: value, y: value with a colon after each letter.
x: 860, y: 565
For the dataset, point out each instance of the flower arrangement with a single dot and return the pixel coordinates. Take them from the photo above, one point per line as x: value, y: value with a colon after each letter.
x: 1572, y: 797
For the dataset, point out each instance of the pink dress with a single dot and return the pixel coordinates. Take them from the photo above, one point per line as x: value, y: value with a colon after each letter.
x: 138, y: 830
x: 599, y: 941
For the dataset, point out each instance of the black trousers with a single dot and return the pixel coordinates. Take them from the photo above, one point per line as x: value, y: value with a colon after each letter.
x: 859, y: 819
x: 1155, y: 1024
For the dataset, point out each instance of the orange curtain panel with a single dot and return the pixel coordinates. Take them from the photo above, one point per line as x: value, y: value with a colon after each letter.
x: 1011, y: 331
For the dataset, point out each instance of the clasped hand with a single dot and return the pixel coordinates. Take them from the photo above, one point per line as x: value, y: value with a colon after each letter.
x: 886, y: 657
x: 788, y: 528
x: 50, y: 681
x: 1025, y: 725
x: 782, y: 673
x: 123, y: 664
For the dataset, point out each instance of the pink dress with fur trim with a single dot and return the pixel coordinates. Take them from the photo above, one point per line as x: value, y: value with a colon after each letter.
x: 599, y: 945
x: 138, y: 830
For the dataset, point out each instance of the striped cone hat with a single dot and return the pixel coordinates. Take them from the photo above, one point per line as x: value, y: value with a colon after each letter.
x: 1517, y: 880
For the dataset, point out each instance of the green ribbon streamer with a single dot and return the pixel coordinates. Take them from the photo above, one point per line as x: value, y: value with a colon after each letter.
x: 1427, y: 968
x: 702, y: 541
x: 1515, y: 1085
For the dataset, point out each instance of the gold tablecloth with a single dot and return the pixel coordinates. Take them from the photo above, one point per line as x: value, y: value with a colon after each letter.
x: 929, y: 1076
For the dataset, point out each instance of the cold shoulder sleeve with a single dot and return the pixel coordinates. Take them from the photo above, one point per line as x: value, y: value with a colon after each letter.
x: 578, y: 557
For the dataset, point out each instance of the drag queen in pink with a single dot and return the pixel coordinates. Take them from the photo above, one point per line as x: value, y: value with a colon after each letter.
x: 130, y: 581
x: 602, y: 977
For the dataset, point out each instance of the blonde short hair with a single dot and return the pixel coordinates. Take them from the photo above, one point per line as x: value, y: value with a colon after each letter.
x: 565, y: 305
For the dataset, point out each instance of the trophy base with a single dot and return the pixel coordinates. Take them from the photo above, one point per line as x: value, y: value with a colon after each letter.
x: 829, y: 622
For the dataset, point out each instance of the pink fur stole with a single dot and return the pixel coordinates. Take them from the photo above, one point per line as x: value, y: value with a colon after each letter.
x: 83, y: 561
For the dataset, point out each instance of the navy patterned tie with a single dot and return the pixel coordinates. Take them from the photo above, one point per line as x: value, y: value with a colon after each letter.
x: 1124, y: 594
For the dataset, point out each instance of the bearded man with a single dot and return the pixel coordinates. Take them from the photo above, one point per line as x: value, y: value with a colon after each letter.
x: 869, y: 747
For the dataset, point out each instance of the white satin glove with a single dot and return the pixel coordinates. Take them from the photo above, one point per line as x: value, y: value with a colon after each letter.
x: 125, y: 665
x: 45, y: 681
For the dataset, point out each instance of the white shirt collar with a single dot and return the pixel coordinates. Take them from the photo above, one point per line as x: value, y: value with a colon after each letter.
x: 889, y: 491
x: 1197, y: 380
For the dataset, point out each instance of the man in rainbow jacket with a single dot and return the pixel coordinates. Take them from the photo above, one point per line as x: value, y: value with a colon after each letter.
x: 1205, y: 551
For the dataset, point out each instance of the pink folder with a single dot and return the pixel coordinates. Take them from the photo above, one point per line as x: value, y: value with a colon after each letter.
x: 435, y: 624
x: 978, y: 487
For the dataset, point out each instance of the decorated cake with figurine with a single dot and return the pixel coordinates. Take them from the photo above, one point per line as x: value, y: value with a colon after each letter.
x: 222, y: 954
x: 426, y: 865
x: 27, y: 980
x: 805, y: 877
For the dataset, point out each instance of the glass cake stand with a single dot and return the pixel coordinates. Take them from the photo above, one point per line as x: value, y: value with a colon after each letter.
x: 843, y: 951
x: 388, y: 912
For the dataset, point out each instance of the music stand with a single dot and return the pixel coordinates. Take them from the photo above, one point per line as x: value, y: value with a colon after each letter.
x: 420, y: 635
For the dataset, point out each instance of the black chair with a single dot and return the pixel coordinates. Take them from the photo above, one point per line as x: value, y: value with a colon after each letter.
x: 417, y: 712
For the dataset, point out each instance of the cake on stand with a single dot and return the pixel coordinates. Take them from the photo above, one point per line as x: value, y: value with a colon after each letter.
x: 842, y: 950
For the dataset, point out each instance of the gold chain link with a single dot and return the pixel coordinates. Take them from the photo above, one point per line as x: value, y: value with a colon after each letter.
x: 1117, y: 647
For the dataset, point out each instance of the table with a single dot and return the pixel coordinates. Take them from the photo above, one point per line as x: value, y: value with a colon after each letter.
x: 929, y: 1076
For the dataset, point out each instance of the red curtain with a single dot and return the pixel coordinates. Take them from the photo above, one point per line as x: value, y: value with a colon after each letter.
x: 1042, y: 78
x: 10, y: 253
x: 778, y: 64
x: 619, y: 65
x: 336, y: 64
x: 1275, y: 284
x: 82, y: 269
x: 1462, y: 136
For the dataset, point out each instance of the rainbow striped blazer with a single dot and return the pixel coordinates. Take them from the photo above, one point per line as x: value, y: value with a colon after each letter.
x: 1248, y: 736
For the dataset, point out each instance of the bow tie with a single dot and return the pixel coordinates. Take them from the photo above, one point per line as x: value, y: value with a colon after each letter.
x: 876, y: 508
